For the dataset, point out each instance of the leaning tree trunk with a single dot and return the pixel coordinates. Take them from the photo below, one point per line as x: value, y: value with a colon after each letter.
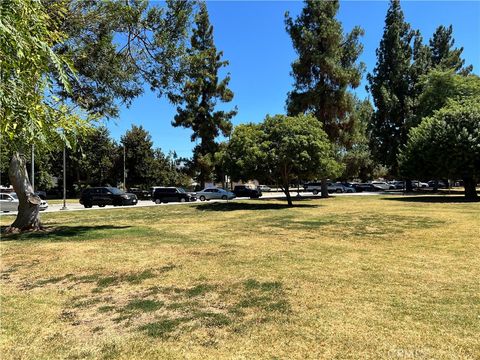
x: 286, y: 190
x: 29, y: 204
x: 470, y: 188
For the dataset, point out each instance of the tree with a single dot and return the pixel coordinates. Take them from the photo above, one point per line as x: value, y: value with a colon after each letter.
x: 27, y: 36
x: 280, y: 150
x: 139, y: 157
x: 115, y: 47
x: 325, y: 69
x: 447, y: 145
x: 390, y: 87
x: 443, y: 55
x: 199, y: 95
x: 356, y: 156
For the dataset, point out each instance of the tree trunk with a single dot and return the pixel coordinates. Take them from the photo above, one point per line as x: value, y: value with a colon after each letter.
x: 408, y: 185
x: 324, y: 188
x: 29, y: 204
x: 470, y: 188
x: 287, y: 193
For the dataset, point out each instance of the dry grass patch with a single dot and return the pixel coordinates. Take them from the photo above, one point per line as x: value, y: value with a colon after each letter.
x: 347, y: 277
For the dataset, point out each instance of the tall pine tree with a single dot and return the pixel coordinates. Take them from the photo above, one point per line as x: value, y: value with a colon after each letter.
x: 327, y: 66
x: 391, y: 88
x: 443, y: 55
x: 201, y: 92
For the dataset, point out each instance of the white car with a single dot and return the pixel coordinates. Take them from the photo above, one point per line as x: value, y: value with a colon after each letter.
x: 264, y: 188
x: 9, y: 202
x: 215, y: 193
x: 383, y: 185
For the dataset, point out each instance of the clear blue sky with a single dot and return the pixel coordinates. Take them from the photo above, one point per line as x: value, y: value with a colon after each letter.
x: 252, y: 36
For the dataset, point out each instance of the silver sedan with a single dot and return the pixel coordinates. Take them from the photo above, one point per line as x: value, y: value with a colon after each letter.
x: 215, y: 193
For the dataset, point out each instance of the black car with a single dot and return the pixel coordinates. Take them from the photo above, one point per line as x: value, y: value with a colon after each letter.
x: 171, y: 194
x: 141, y: 194
x: 365, y: 187
x: 245, y: 191
x: 102, y: 196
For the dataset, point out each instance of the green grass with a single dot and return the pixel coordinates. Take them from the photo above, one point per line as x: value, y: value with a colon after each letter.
x: 346, y: 277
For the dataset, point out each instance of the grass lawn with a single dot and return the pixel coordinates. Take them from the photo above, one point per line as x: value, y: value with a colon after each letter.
x: 346, y: 277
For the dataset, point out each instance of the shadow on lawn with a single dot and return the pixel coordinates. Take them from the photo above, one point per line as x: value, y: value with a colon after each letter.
x: 434, y: 199
x: 62, y: 233
x: 233, y: 206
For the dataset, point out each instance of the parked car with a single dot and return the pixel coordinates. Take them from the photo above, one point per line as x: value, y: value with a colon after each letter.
x: 440, y: 185
x: 314, y: 187
x: 348, y: 188
x: 382, y: 185
x: 264, y: 188
x: 246, y: 191
x: 171, y: 194
x: 102, y: 196
x: 398, y: 185
x: 8, y: 202
x: 335, y: 188
x: 215, y: 193
x: 141, y: 194
x: 365, y: 187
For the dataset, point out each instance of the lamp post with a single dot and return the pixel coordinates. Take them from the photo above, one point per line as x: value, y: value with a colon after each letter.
x: 64, y: 207
x: 124, y: 173
x: 32, y: 176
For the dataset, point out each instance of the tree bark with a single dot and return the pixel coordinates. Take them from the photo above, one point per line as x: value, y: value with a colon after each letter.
x: 287, y: 194
x: 29, y: 204
x: 408, y: 185
x: 470, y: 188
x: 324, y: 188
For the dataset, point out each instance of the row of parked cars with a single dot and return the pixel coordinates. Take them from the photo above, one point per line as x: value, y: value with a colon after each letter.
x: 102, y: 196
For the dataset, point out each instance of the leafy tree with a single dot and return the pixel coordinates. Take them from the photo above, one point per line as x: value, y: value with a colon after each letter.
x: 199, y: 95
x: 390, y: 87
x: 28, y: 116
x: 281, y: 149
x: 441, y: 86
x: 139, y: 157
x: 443, y: 55
x: 40, y: 41
x: 356, y: 156
x: 325, y: 69
x: 447, y: 145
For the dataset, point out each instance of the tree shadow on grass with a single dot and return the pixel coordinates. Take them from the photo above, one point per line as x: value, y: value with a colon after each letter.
x: 233, y: 206
x: 434, y: 199
x: 62, y: 233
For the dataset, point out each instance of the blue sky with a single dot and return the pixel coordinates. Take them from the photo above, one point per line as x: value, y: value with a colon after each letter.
x: 252, y: 36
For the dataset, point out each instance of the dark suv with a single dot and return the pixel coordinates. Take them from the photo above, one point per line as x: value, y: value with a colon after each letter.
x: 245, y: 191
x: 102, y: 196
x: 171, y: 194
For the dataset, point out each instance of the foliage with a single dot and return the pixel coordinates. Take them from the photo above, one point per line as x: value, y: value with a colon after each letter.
x: 326, y: 67
x: 117, y: 46
x: 441, y: 86
x: 446, y: 144
x: 397, y: 81
x: 443, y: 55
x: 280, y: 150
x: 390, y: 87
x: 139, y: 156
x: 356, y: 156
x: 28, y: 34
x: 200, y: 93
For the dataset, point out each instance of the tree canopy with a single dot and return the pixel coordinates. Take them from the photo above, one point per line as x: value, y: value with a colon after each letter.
x: 280, y: 150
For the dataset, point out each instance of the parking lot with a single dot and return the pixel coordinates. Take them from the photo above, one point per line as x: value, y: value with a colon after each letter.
x: 74, y: 205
